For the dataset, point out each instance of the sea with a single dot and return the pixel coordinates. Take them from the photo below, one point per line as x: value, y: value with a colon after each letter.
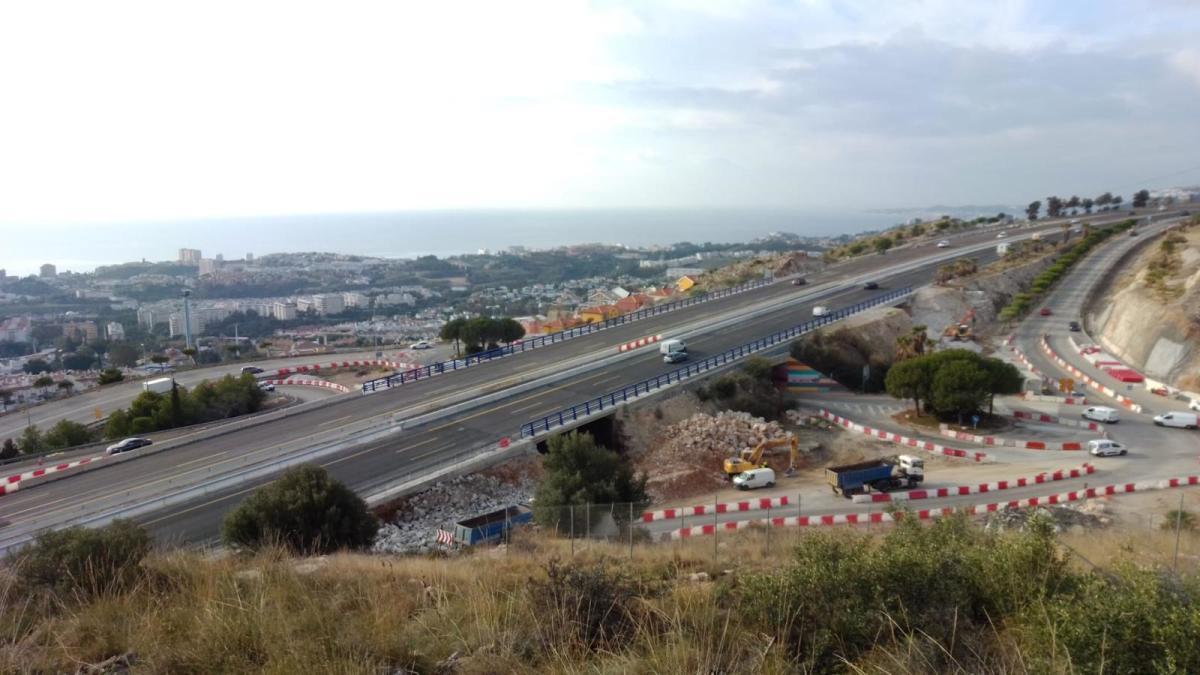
x: 407, y: 234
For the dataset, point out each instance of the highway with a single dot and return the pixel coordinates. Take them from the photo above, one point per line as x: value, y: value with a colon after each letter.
x: 1155, y: 452
x: 372, y: 465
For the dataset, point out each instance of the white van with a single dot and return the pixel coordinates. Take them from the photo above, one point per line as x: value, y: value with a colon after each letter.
x: 1105, y: 448
x: 820, y: 310
x: 755, y: 478
x: 1101, y: 414
x: 1179, y: 420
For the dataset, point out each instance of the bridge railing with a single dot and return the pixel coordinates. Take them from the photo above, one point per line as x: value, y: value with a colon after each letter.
x: 614, y: 398
x: 397, y: 379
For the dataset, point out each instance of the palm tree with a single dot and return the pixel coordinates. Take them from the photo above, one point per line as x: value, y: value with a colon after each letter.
x: 159, y: 359
x: 190, y: 352
x: 66, y: 386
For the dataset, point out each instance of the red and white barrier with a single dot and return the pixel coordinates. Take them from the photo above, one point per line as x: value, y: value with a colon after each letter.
x: 892, y: 437
x: 960, y: 490
x: 335, y: 365
x: 1051, y: 419
x: 946, y: 431
x: 1087, y: 379
x: 292, y: 382
x: 709, y: 509
x: 928, y: 514
x: 640, y: 342
x: 12, y: 483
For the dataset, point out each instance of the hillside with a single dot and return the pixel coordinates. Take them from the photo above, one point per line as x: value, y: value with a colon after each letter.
x: 1149, y: 315
x: 942, y: 598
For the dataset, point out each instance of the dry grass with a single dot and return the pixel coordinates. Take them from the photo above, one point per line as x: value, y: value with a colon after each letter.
x: 477, y: 613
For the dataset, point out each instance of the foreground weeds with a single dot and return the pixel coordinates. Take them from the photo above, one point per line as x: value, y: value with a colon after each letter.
x: 940, y: 598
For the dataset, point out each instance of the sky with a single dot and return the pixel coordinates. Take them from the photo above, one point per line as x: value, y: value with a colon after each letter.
x: 122, y: 111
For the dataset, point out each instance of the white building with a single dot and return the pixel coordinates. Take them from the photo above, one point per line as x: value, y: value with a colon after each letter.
x: 209, y: 266
x: 305, y: 304
x: 175, y: 324
x: 355, y: 299
x: 115, y: 331
x: 283, y: 311
x: 189, y: 256
x: 148, y: 318
x: 16, y: 329
x: 676, y: 272
x: 329, y: 304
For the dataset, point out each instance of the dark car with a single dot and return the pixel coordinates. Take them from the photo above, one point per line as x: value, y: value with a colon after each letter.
x: 799, y: 281
x: 1045, y: 311
x: 251, y: 370
x: 1074, y: 326
x: 870, y: 285
x: 1133, y: 233
x: 128, y: 444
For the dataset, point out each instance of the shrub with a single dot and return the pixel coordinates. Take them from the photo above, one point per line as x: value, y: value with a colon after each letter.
x: 305, y: 510
x: 1184, y: 520
x: 580, y: 472
x: 110, y: 376
x: 68, y: 434
x: 586, y: 605
x: 82, y: 560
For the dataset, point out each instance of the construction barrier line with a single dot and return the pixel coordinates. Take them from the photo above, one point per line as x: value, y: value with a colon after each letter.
x: 927, y: 514
x: 1087, y: 379
x: 945, y: 430
x: 640, y: 342
x: 892, y: 437
x: 709, y: 509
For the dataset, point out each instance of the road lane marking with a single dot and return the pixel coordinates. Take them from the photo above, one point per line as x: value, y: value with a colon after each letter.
x: 340, y: 419
x: 204, y: 504
x: 427, y: 441
x: 492, y: 409
x: 201, y: 459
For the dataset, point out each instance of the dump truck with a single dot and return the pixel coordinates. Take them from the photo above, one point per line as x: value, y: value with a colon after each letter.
x: 879, y: 475
x: 160, y: 385
x: 490, y: 527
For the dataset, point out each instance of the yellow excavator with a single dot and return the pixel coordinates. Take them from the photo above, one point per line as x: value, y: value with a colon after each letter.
x: 751, y: 458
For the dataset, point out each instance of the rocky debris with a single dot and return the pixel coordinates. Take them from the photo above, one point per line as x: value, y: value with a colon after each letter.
x: 414, y: 527
x: 1090, y: 514
x: 686, y: 457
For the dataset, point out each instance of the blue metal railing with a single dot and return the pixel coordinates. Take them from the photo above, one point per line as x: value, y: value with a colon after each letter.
x: 622, y: 395
x: 397, y: 379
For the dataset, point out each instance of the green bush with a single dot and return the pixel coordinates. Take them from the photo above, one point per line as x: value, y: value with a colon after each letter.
x: 580, y: 472
x: 304, y: 510
x: 68, y: 434
x: 587, y: 605
x: 110, y: 376
x: 84, y: 561
x: 210, y: 400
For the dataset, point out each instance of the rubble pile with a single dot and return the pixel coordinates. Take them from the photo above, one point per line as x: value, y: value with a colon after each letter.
x: 1090, y: 514
x: 415, y: 524
x: 687, y: 456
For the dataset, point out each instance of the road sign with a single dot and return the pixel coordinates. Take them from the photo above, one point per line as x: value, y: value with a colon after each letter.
x: 975, y: 421
x: 97, y: 413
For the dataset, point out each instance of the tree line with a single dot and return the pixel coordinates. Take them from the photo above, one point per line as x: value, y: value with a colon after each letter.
x: 1057, y: 207
x: 481, y: 333
x: 210, y: 400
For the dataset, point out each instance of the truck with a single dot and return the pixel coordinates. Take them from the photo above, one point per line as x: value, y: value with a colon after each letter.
x: 880, y: 475
x: 159, y: 385
x: 673, y: 351
x: 491, y: 527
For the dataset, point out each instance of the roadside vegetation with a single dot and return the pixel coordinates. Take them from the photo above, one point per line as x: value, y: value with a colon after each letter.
x: 34, y: 441
x: 471, y: 336
x: 882, y: 242
x: 1022, y: 302
x: 1165, y: 265
x: 748, y: 389
x: 952, y: 383
x: 947, y: 597
x: 579, y: 472
x: 208, y: 401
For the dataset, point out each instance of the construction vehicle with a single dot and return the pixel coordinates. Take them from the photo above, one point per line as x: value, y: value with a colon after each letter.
x: 962, y: 330
x: 880, y: 475
x: 752, y: 458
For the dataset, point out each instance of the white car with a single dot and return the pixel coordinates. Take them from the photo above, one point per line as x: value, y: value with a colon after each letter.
x: 1106, y: 448
x: 266, y: 386
x: 755, y: 478
x: 1099, y: 413
x: 1002, y: 235
x: 945, y: 243
x: 421, y: 344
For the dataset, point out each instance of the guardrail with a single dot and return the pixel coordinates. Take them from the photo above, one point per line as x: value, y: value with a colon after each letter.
x: 611, y: 399
x: 542, y: 340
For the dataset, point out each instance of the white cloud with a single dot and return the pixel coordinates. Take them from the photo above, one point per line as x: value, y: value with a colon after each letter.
x: 1187, y: 62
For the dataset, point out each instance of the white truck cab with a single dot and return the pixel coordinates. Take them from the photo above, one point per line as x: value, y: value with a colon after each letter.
x: 911, y: 466
x: 1099, y: 413
x: 1178, y: 420
x: 755, y: 478
x: 820, y: 310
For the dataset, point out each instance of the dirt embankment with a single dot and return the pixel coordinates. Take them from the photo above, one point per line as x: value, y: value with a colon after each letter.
x: 986, y: 292
x: 780, y: 264
x: 1149, y: 315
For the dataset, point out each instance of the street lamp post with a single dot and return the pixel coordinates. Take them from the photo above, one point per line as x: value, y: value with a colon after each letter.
x: 187, y: 321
